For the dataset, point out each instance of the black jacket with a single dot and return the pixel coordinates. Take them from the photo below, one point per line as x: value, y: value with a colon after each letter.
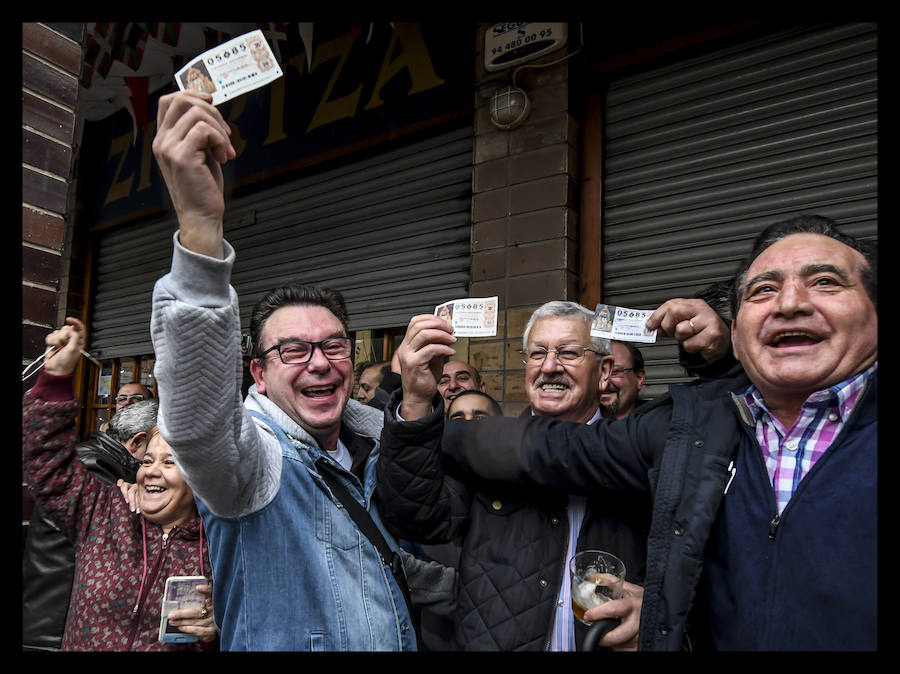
x: 514, y: 540
x: 48, y: 560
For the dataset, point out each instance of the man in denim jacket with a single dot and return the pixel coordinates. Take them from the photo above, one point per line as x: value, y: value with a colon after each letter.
x: 292, y: 570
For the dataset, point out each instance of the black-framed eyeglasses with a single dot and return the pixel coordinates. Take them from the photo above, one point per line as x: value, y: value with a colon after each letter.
x: 616, y: 371
x: 134, y: 397
x: 567, y: 354
x: 298, y: 351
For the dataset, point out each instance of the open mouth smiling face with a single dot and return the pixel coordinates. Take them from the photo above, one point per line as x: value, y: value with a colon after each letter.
x: 165, y: 498
x: 805, y: 321
x: 569, y: 392
x: 314, y: 393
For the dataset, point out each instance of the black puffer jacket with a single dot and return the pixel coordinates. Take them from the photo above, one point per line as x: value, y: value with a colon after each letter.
x: 513, y: 540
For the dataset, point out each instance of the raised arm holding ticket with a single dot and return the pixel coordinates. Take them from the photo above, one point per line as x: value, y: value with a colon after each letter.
x: 294, y: 572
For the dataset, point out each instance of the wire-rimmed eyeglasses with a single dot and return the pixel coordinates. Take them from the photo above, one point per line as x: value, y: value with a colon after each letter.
x: 298, y: 351
x: 567, y: 354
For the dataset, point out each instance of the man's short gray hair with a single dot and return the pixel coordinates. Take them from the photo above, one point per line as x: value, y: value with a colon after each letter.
x: 566, y: 309
x: 136, y: 418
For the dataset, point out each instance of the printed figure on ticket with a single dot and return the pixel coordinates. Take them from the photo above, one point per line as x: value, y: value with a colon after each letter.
x: 472, y: 317
x: 231, y: 69
x: 622, y: 324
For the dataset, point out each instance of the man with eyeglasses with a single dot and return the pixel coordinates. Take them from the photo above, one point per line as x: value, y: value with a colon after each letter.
x: 625, y: 381
x: 130, y: 393
x: 512, y: 581
x: 292, y: 570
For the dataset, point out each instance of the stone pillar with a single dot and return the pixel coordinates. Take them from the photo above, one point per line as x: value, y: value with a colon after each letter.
x: 524, y: 215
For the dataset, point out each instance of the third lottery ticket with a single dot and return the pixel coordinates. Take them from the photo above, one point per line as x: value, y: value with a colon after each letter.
x: 622, y: 323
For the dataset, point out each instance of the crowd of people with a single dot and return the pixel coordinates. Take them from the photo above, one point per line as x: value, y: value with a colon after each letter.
x: 329, y: 518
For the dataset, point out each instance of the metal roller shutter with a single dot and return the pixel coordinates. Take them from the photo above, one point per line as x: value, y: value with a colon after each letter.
x: 391, y: 232
x: 701, y: 155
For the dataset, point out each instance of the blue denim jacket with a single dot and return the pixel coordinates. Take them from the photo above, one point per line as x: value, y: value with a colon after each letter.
x: 298, y: 575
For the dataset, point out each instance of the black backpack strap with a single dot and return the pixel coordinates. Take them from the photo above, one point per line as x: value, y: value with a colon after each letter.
x: 390, y: 558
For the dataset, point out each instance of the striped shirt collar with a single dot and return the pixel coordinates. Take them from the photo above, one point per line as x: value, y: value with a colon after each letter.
x: 841, y: 396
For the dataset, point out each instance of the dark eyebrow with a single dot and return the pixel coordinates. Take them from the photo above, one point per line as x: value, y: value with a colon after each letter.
x: 820, y: 267
x: 765, y: 276
x: 291, y: 340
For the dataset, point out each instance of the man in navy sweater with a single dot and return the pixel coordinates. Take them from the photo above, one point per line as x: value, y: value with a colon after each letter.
x: 764, y: 482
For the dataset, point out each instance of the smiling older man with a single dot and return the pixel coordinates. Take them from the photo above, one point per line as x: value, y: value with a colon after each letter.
x: 764, y: 484
x: 566, y: 369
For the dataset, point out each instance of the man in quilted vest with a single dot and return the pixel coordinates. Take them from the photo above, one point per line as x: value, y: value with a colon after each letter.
x: 513, y: 584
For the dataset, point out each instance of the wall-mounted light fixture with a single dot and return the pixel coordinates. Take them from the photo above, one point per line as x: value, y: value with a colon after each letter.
x: 509, y: 107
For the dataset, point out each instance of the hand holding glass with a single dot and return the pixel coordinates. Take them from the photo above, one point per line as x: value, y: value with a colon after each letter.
x: 597, y: 577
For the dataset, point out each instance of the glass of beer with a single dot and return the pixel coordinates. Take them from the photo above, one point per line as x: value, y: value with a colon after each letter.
x: 596, y: 577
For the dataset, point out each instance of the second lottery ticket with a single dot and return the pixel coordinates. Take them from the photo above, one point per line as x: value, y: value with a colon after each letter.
x: 231, y: 69
x: 622, y: 324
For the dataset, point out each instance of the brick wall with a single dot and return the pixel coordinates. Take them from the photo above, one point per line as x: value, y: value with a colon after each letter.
x: 524, y: 217
x: 51, y: 62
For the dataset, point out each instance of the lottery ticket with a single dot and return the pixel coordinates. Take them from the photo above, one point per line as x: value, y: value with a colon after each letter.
x: 181, y: 592
x: 621, y: 323
x: 472, y: 317
x: 231, y: 69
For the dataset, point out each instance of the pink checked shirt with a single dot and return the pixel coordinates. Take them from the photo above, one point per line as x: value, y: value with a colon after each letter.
x: 790, y: 453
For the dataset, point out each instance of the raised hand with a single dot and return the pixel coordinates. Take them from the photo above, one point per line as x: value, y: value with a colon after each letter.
x: 66, y: 344
x: 421, y: 354
x: 191, y: 144
x: 693, y: 323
